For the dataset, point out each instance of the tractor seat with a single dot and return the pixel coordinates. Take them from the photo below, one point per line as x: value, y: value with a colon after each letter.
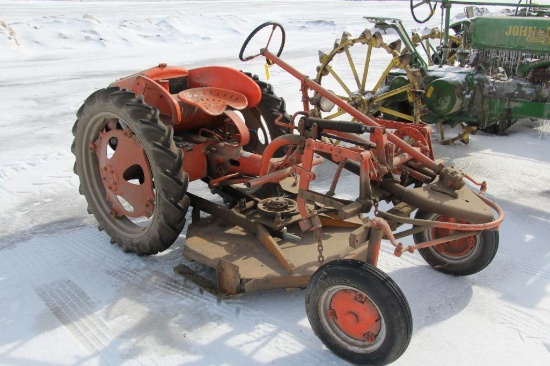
x: 213, y: 101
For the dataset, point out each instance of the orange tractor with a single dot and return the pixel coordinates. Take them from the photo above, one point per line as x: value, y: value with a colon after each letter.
x: 139, y: 142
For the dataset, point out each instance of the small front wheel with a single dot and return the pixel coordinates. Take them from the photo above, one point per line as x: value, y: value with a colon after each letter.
x: 358, y: 312
x: 460, y: 257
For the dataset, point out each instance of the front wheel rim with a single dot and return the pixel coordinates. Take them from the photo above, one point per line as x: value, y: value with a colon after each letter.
x: 352, y: 319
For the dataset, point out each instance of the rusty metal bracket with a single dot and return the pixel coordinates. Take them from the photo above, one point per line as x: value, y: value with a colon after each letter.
x: 229, y: 279
x: 310, y: 222
x: 267, y: 240
x: 201, y: 281
x: 359, y: 236
x: 321, y: 199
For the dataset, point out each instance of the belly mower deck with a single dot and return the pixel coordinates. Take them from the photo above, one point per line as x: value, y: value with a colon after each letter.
x: 247, y: 257
x: 245, y: 264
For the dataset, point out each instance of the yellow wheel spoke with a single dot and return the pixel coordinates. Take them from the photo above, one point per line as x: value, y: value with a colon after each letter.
x: 353, y: 70
x: 343, y: 98
x: 399, y: 90
x: 336, y: 114
x: 384, y: 75
x: 366, y: 69
x: 391, y: 112
x: 342, y: 84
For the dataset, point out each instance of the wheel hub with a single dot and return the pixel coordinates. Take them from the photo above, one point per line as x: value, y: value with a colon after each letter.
x: 355, y: 314
x: 455, y: 248
x: 125, y: 173
x: 360, y: 102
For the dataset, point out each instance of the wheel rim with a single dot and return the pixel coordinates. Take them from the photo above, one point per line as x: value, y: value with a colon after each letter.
x: 119, y: 174
x: 456, y: 251
x: 259, y: 133
x: 352, y: 319
x: 352, y: 79
x: 126, y: 174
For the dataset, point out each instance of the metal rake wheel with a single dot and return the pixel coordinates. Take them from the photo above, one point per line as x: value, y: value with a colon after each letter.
x: 351, y: 70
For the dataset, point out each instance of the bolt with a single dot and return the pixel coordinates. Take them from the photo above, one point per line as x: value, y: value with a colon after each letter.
x: 369, y: 337
x: 360, y: 297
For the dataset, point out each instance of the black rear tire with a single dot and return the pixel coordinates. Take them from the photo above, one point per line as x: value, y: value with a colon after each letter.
x: 461, y: 257
x: 140, y: 202
x: 358, y: 312
x: 261, y: 118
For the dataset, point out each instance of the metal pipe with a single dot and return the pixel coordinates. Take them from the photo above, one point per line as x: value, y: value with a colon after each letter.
x: 273, y: 177
x: 352, y: 111
x: 401, y: 159
x: 493, y: 225
x: 431, y: 243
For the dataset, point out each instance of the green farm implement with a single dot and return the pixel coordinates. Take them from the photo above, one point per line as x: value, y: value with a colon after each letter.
x: 492, y: 71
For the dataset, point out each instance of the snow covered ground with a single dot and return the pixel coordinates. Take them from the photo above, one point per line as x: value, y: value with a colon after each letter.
x: 69, y: 297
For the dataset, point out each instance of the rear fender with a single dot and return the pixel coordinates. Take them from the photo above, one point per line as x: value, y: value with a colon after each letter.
x: 160, y: 72
x: 153, y: 85
x: 226, y: 78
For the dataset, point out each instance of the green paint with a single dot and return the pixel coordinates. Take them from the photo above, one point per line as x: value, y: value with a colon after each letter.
x: 530, y: 34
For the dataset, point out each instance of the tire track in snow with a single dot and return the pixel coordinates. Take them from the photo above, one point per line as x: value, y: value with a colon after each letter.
x: 68, y: 303
x: 524, y: 267
x: 4, y: 192
x: 185, y: 290
x: 74, y: 309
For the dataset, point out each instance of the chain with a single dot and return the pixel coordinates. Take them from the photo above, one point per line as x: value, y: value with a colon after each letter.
x: 318, y: 235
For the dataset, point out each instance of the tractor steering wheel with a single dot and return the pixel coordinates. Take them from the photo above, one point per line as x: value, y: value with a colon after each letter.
x: 415, y: 4
x: 274, y: 26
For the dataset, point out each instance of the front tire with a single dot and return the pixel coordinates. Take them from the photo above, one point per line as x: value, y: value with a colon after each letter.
x: 461, y: 257
x: 358, y: 312
x: 130, y: 171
